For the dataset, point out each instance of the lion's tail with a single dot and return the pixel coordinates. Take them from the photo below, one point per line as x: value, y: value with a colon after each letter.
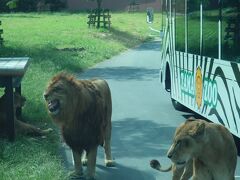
x: 156, y: 165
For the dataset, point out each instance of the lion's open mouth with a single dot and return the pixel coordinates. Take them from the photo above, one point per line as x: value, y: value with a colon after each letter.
x: 54, y: 106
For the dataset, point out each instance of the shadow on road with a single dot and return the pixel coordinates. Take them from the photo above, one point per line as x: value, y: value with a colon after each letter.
x: 121, y: 172
x: 152, y: 46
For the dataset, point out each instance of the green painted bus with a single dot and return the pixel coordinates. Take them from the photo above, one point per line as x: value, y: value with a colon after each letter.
x: 200, y: 58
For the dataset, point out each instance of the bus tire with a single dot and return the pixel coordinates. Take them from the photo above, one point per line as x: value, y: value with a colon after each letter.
x: 178, y: 106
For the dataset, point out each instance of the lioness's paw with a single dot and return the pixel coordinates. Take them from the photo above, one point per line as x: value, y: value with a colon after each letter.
x: 84, y: 162
x: 154, y: 164
x: 110, y: 163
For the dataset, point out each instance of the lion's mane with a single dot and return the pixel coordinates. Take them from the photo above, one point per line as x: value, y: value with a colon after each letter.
x: 83, y: 110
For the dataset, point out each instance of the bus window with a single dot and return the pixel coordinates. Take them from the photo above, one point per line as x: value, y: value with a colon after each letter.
x: 193, y: 27
x: 210, y: 28
x: 231, y: 30
x: 180, y: 25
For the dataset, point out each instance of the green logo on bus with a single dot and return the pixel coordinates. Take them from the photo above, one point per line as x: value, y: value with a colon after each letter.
x: 210, y: 89
x: 187, y: 83
x: 210, y: 92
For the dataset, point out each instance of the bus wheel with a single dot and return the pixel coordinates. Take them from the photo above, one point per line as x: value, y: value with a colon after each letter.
x: 178, y: 106
x: 237, y: 142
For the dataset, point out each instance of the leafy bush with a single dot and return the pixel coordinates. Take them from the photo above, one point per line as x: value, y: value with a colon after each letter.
x: 30, y: 5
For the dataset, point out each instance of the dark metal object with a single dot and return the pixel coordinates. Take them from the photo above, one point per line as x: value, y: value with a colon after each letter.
x: 11, y: 72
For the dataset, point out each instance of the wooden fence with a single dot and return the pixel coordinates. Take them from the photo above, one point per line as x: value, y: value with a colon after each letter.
x: 98, y: 18
x: 1, y: 32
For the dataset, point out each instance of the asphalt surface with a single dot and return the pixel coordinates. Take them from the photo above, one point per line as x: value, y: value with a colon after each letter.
x: 143, y: 119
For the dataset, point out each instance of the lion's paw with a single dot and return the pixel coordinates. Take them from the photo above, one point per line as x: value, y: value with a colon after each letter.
x: 84, y: 162
x: 110, y: 163
x: 77, y: 175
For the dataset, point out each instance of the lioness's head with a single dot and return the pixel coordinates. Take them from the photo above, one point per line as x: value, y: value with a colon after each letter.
x: 59, y: 94
x: 186, y: 142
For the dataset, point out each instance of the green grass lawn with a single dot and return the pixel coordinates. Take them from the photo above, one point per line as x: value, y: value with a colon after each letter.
x: 49, y: 40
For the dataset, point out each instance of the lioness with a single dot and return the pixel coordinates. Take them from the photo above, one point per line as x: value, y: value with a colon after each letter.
x: 82, y: 109
x: 209, y: 146
x: 20, y: 126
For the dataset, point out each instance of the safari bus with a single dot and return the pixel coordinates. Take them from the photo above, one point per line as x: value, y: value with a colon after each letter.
x: 200, y: 58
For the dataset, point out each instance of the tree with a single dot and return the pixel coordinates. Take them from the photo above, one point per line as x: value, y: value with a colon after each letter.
x: 99, y: 3
x: 12, y: 4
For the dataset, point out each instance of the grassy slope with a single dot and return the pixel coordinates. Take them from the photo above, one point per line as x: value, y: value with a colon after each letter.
x: 40, y: 36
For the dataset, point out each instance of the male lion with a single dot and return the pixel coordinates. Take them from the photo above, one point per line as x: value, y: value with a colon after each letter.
x: 20, y: 126
x: 82, y: 109
x: 210, y: 147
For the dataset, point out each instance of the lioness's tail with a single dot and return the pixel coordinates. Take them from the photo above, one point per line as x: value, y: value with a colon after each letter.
x: 156, y: 165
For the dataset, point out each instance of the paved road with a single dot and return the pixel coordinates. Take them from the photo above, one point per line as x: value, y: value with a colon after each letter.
x: 143, y: 118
